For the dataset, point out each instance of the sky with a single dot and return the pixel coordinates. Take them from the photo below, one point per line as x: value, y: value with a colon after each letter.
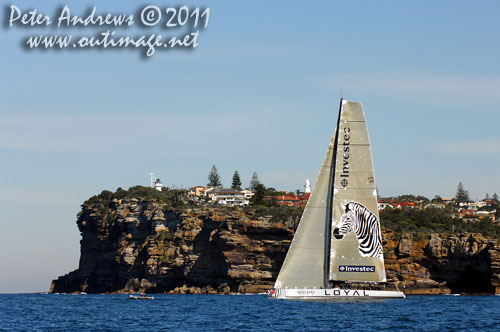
x: 259, y: 93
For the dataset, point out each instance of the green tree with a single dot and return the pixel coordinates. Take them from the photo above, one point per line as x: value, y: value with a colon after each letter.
x: 273, y: 202
x: 271, y: 191
x: 462, y: 195
x: 254, y: 181
x: 422, y: 199
x: 437, y: 198
x: 260, y: 193
x: 120, y: 193
x: 214, y: 178
x: 496, y: 206
x: 236, y: 184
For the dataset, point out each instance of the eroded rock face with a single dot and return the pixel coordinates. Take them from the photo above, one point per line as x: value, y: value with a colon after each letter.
x: 443, y: 264
x: 136, y: 245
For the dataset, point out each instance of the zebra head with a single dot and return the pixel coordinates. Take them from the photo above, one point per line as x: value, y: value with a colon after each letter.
x: 345, y: 225
x: 365, y: 225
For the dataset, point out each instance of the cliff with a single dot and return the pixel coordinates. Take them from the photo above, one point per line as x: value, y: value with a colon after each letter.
x: 443, y: 263
x: 136, y: 245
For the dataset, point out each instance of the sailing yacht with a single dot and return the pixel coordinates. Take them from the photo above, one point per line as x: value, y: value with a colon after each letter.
x: 336, y: 252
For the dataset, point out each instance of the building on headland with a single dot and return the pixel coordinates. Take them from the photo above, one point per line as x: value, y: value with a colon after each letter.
x: 470, y: 211
x: 402, y: 205
x: 286, y: 198
x: 466, y: 213
x: 210, y: 192
x: 448, y: 200
x: 483, y: 209
x: 198, y: 191
x: 248, y: 193
x: 229, y: 196
x: 436, y: 205
x: 289, y: 199
x: 383, y: 205
x: 158, y: 185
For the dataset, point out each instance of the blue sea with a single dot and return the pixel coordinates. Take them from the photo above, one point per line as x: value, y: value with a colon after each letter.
x: 62, y: 312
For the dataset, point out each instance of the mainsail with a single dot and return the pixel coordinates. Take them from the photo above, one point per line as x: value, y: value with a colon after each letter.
x: 343, y: 202
x: 356, y: 244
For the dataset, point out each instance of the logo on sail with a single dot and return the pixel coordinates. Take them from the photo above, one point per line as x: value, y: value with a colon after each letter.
x: 346, y: 149
x: 356, y: 268
x: 366, y: 226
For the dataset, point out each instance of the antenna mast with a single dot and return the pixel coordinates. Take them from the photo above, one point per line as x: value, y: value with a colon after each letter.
x: 151, y: 176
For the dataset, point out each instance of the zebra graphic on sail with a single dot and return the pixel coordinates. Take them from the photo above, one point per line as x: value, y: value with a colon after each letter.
x: 359, y: 219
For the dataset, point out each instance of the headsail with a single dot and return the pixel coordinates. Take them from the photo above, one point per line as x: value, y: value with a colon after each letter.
x: 306, y: 261
x: 356, y: 244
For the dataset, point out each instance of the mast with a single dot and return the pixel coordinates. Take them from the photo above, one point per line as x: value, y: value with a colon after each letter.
x: 328, y: 221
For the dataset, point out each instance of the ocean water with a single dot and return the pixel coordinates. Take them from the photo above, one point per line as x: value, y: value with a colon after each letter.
x: 53, y: 312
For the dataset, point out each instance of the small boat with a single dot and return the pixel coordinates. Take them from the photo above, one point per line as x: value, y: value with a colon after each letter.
x: 142, y: 296
x: 336, y: 252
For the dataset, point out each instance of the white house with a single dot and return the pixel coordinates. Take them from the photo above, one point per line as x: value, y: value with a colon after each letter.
x: 383, y: 205
x: 229, y: 196
x: 248, y: 193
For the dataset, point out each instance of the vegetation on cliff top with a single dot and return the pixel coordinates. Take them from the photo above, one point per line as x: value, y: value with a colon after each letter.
x: 171, y: 197
x: 434, y: 220
x: 277, y: 213
x: 414, y: 221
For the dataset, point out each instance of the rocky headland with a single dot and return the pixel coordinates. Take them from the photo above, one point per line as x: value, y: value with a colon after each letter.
x: 145, y: 245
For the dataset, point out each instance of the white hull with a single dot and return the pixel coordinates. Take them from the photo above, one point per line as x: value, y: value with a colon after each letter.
x: 332, y: 294
x: 139, y: 297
